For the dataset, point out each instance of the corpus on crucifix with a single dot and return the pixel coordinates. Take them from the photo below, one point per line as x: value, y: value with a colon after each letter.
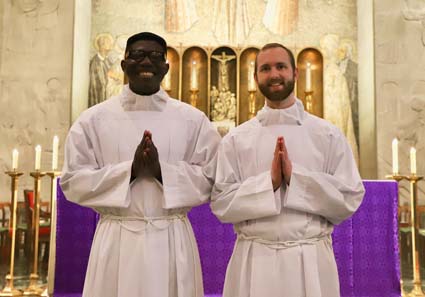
x: 223, y: 71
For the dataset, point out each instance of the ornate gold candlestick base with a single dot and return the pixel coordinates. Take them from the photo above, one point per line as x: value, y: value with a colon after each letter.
x: 9, y: 290
x: 417, y: 283
x: 33, y: 288
x: 252, y: 104
x: 193, y: 97
x: 309, y: 101
x: 416, y: 292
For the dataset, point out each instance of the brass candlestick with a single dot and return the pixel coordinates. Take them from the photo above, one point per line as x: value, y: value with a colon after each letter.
x: 397, y: 177
x: 417, y: 283
x: 33, y: 288
x: 8, y: 289
x: 52, y: 254
x: 194, y: 97
x: 251, y: 104
x: 309, y: 101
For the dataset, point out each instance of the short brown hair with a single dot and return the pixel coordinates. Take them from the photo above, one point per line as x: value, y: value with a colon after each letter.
x: 275, y: 45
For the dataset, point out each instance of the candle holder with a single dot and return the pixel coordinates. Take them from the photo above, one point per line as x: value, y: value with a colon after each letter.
x: 309, y: 101
x: 417, y: 283
x: 8, y: 289
x: 52, y: 256
x: 33, y: 288
x: 193, y: 97
x: 252, y: 104
x: 397, y: 177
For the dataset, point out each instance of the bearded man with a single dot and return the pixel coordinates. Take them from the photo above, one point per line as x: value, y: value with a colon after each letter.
x: 284, y: 179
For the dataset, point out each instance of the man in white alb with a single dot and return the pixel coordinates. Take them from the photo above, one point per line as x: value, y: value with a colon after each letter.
x: 284, y: 179
x: 142, y: 160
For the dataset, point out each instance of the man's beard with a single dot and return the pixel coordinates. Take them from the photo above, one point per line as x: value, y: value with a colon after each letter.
x: 288, y: 88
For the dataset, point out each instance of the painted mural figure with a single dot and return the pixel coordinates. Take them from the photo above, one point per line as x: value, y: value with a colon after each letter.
x: 180, y: 15
x: 115, y: 76
x: 337, y: 106
x: 99, y: 67
x: 231, y: 21
x: 281, y: 16
x: 349, y: 69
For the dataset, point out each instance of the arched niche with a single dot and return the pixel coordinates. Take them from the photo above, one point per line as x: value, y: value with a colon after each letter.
x: 314, y: 102
x: 195, y: 78
x: 250, y: 98
x: 171, y: 82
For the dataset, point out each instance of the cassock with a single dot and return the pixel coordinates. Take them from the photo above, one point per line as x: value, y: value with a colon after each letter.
x: 284, y: 245
x: 144, y: 244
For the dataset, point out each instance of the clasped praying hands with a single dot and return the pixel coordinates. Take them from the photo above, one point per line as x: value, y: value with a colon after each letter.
x: 146, y: 161
x: 281, y: 165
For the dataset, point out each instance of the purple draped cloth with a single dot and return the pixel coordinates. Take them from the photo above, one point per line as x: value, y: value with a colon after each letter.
x: 366, y: 246
x: 75, y: 226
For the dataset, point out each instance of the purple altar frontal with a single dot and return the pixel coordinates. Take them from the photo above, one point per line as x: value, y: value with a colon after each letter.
x: 365, y: 246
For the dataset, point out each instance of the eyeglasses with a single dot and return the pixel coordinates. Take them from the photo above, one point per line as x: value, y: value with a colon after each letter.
x: 140, y: 55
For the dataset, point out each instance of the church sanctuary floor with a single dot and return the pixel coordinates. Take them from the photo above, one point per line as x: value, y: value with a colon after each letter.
x: 22, y: 269
x: 22, y: 272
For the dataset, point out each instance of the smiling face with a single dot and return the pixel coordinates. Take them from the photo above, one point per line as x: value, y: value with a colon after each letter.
x: 275, y: 75
x: 145, y: 66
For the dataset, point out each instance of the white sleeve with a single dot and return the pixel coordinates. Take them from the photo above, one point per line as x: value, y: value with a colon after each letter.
x: 234, y: 200
x: 334, y: 194
x: 84, y: 181
x: 188, y: 183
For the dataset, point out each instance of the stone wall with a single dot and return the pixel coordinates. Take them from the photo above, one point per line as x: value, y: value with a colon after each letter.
x: 400, y: 85
x: 35, y: 81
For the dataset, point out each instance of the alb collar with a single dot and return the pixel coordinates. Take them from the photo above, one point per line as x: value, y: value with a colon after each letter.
x: 293, y: 115
x: 131, y: 101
